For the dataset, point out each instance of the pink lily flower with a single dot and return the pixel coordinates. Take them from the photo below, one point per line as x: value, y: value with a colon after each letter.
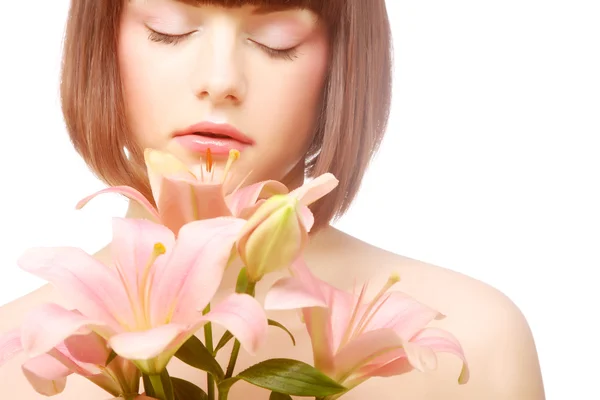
x: 85, y: 355
x: 150, y: 300
x: 353, y: 339
x: 183, y: 194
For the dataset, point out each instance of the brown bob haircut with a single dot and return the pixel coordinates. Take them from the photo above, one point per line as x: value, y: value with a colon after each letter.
x: 353, y: 113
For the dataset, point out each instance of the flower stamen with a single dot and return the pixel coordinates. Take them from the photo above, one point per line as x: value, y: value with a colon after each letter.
x: 144, y: 290
x: 370, y: 312
x: 234, y: 155
x: 242, y: 181
x: 349, y: 332
x: 209, y: 160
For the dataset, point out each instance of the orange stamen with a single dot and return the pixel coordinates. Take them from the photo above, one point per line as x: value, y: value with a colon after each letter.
x: 209, y: 160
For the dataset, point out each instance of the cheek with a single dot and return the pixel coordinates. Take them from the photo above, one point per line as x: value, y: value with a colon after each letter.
x: 295, y: 94
x: 145, y: 92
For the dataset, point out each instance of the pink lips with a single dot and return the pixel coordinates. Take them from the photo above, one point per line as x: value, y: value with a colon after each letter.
x: 197, y: 138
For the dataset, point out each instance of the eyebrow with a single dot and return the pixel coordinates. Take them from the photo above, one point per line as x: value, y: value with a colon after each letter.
x: 259, y: 10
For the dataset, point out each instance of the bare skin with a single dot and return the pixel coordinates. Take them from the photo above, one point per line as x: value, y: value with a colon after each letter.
x: 495, y: 335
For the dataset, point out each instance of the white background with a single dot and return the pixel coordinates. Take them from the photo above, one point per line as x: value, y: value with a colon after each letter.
x: 490, y: 166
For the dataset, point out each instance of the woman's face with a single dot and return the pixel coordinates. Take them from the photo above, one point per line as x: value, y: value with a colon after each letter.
x: 258, y: 72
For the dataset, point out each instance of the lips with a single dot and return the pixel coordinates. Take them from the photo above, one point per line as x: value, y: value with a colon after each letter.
x: 216, y: 131
x: 219, y: 138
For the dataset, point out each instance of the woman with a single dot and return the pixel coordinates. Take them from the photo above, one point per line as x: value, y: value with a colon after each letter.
x: 299, y: 86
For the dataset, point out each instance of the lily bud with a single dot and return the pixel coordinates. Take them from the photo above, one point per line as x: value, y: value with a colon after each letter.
x: 273, y: 237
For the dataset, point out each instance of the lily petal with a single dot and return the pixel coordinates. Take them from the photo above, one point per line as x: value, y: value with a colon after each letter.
x: 182, y: 201
x: 160, y: 164
x: 10, y: 345
x: 193, y: 272
x: 209, y: 201
x: 339, y: 303
x: 46, y: 374
x: 317, y: 320
x: 247, y: 197
x: 121, y: 376
x: 315, y: 189
x: 365, y: 348
x: 61, y: 353
x: 300, y: 270
x: 126, y: 191
x: 398, y: 366
x: 397, y: 362
x: 292, y: 293
x: 81, y: 278
x: 145, y: 345
x: 441, y: 341
x: 50, y: 324
x: 421, y: 357
x: 307, y: 217
x: 243, y: 316
x: 90, y: 348
x: 403, y: 313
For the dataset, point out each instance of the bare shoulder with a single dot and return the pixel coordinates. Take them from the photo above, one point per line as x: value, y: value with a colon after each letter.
x: 494, y: 333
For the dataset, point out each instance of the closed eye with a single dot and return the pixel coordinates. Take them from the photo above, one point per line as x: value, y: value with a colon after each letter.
x: 166, y: 38
x: 159, y: 37
x: 286, y: 54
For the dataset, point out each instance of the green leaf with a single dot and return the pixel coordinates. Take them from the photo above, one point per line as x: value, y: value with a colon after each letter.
x: 185, y: 390
x: 277, y: 324
x: 227, y: 336
x: 194, y: 353
x: 242, y: 281
x: 279, y: 396
x: 291, y: 377
x: 111, y: 357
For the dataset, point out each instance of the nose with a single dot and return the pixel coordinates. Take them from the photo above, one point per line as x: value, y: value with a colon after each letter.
x: 220, y: 77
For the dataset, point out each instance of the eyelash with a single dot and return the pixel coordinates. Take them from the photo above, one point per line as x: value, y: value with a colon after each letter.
x: 166, y: 39
x: 158, y: 37
x: 286, y: 54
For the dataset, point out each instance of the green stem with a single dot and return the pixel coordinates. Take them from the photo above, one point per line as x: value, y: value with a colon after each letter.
x: 232, y: 360
x: 250, y: 290
x: 157, y: 386
x: 208, y: 338
x: 223, y: 393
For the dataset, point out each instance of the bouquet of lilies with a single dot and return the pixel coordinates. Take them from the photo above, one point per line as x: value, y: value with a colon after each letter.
x: 130, y: 317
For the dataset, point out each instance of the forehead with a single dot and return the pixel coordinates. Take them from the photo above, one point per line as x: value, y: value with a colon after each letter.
x: 325, y: 8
